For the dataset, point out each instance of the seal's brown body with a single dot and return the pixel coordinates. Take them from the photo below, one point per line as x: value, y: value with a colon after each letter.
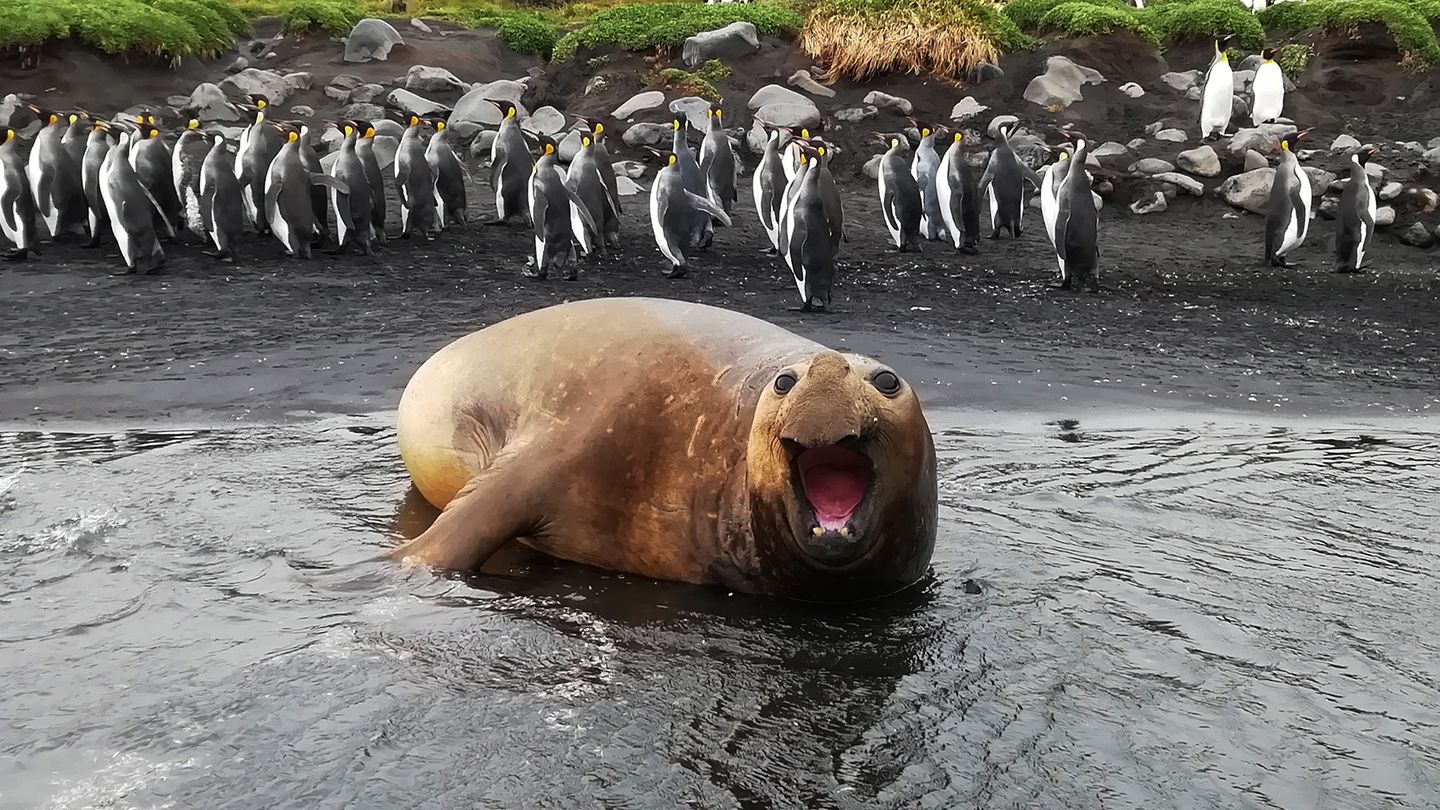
x: 636, y: 435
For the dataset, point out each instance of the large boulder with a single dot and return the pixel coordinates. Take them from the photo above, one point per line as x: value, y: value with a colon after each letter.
x: 546, y: 120
x: 364, y: 111
x: 423, y: 79
x: 1320, y: 179
x: 784, y: 114
x: 647, y: 134
x: 1182, y: 81
x: 638, y: 103
x: 409, y: 102
x: 775, y: 94
x: 367, y: 92
x: 371, y: 40
x: 854, y: 115
x: 1059, y: 86
x: 736, y: 40
x: 569, y: 146
x: 1154, y: 204
x: 1151, y: 166
x: 1250, y: 190
x: 1201, y: 160
x: 1264, y: 139
x: 694, y: 109
x: 255, y: 81
x: 210, y: 103
x: 803, y: 80
x: 475, y: 108
x: 885, y: 101
x: 385, y: 148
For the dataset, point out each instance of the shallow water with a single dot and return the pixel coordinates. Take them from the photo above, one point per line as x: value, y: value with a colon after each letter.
x: 1198, y: 614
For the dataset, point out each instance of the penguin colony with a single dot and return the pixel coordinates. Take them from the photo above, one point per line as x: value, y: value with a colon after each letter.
x: 92, y: 177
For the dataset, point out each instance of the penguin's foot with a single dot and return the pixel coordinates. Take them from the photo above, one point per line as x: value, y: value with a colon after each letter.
x: 771, y: 251
x: 15, y: 255
x: 1065, y: 284
x: 678, y: 271
x: 973, y: 250
x: 501, y: 223
x: 338, y: 250
x: 1278, y: 261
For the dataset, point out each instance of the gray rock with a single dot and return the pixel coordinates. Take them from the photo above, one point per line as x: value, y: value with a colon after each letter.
x: 267, y: 83
x: 597, y: 84
x: 1264, y: 139
x: 210, y: 101
x: 633, y: 169
x: 1132, y: 90
x: 1201, y: 160
x: 367, y: 92
x: 1170, y: 136
x: 1384, y: 216
x: 755, y: 138
x: 569, y: 146
x: 13, y: 112
x: 1240, y: 107
x: 1187, y: 184
x: 177, y: 101
x: 1375, y: 171
x: 872, y: 167
x: 423, y: 79
x: 364, y: 111
x: 238, y: 65
x: 388, y: 127
x: 1194, y: 93
x: 966, y: 109
x: 1111, y: 149
x: 371, y: 40
x: 885, y: 101
x: 1250, y: 190
x: 1059, y: 86
x: 1416, y: 235
x: 1344, y: 143
x: 419, y: 25
x: 409, y: 102
x: 303, y: 111
x: 638, y: 102
x: 803, y: 80
x: 1243, y: 79
x: 1412, y: 146
x: 1390, y: 191
x: 1099, y: 202
x: 1319, y: 179
x: 385, y: 147
x: 546, y: 120
x: 1136, y: 144
x: 625, y: 187
x: 1151, y: 166
x: 474, y: 107
x: 1180, y: 82
x: 1154, y: 127
x: 694, y: 109
x: 1307, y: 154
x: 647, y: 134
x: 1254, y: 160
x: 984, y: 72
x: 1432, y: 158
x: 855, y: 115
x: 790, y: 115
x: 1155, y: 204
x: 298, y: 81
x: 993, y: 130
x: 734, y: 41
x: 775, y: 94
x: 480, y: 147
x: 339, y: 94
x: 347, y: 81
x: 1327, y: 207
x: 462, y: 131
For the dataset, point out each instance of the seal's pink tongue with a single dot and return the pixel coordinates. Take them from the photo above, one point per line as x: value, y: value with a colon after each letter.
x: 835, y: 480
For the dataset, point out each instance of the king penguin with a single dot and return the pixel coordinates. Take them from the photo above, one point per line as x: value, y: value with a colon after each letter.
x: 259, y: 144
x: 186, y: 158
x: 511, y: 165
x: 768, y: 186
x: 151, y: 160
x: 899, y: 196
x: 55, y: 183
x: 554, y: 209
x: 287, y: 205
x: 1077, y: 226
x: 319, y: 196
x: 352, y: 207
x: 1267, y: 90
x: 414, y: 183
x: 673, y: 211
x: 787, y: 204
x: 449, y: 174
x: 133, y: 211
x: 611, y: 224
x: 718, y: 164
x: 97, y: 145
x: 702, y: 228
x: 222, y: 206
x: 810, y: 246
x: 1356, y: 215
x: 1004, y: 183
x: 792, y: 151
x: 76, y: 136
x: 1218, y: 95
x: 1287, y: 214
x: 584, y: 178
x: 1050, y: 182
x: 829, y: 193
x: 365, y: 148
x: 924, y: 167
x: 17, y: 203
x: 959, y: 196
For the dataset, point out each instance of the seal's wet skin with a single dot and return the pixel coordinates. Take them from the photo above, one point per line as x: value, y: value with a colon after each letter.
x: 677, y: 441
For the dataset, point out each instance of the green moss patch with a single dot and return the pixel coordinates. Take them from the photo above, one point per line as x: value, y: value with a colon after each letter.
x: 699, y: 83
x: 154, y: 28
x: 524, y: 31
x: 1293, y: 59
x: 1407, y: 22
x: 1078, y: 19
x: 330, y: 16
x: 1188, y: 20
x: 650, y: 25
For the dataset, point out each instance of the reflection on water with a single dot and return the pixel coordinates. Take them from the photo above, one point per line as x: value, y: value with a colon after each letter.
x: 1218, y: 616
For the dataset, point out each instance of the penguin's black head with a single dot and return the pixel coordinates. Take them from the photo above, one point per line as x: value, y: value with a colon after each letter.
x: 47, y: 117
x: 1268, y: 54
x: 547, y: 144
x: 259, y: 100
x: 7, y: 135
x: 680, y: 122
x: 1366, y: 152
x: 507, y: 108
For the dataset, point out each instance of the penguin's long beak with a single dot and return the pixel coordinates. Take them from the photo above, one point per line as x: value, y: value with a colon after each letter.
x: 1302, y: 133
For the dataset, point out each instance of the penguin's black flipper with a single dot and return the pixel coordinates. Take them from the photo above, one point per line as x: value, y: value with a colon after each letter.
x: 703, y: 204
x: 318, y: 179
x: 271, y: 206
x: 1030, y: 175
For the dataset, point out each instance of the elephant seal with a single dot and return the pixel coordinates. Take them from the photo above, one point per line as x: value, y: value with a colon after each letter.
x: 675, y: 441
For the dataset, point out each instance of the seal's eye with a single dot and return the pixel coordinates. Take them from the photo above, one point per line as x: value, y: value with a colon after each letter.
x: 784, y: 383
x: 886, y: 383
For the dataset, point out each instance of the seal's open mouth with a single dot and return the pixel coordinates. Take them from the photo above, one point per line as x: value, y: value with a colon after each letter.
x: 834, y: 480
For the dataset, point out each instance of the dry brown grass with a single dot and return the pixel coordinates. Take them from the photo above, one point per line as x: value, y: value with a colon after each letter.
x: 863, y: 39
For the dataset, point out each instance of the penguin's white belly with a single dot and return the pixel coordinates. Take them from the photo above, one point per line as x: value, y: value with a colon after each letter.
x: 1303, y: 215
x: 1219, y: 96
x: 659, y: 227
x: 341, y: 232
x: 49, y: 215
x: 578, y: 229
x: 1049, y: 204
x: 1268, y: 90
x: 892, y: 222
x: 994, y: 206
x: 123, y: 238
x: 946, y: 195
x: 1365, y: 230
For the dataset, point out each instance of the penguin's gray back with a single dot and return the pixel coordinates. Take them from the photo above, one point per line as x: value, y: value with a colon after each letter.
x: 584, y: 176
x: 1077, y: 224
x: 415, y: 182
x: 153, y: 165
x: 811, y: 248
x: 17, y: 203
x: 1357, y: 220
x: 353, y: 207
x: 607, y: 174
x: 1280, y: 208
x: 262, y: 146
x: 449, y: 176
x: 221, y: 196
x: 925, y: 166
x: 97, y: 146
x: 365, y: 149
x: 55, y: 181
x: 721, y: 170
x: 131, y: 208
x: 550, y: 213
x: 287, y: 201
x: 510, y: 166
x: 899, y: 198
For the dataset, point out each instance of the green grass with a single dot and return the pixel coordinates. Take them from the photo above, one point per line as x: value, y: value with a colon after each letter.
x: 1078, y: 19
x: 1293, y: 59
x: 334, y: 17
x: 699, y: 83
x: 1029, y: 15
x: 650, y: 25
x: 1407, y: 22
x: 713, y: 70
x: 1188, y: 20
x: 525, y: 31
x: 154, y: 28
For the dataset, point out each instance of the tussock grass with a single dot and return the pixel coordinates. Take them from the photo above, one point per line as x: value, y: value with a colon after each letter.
x: 643, y: 26
x: 699, y: 83
x: 330, y: 16
x: 1407, y: 22
x: 1293, y: 59
x: 1078, y: 19
x: 1188, y: 20
x: 169, y: 28
x: 524, y: 30
x: 862, y: 39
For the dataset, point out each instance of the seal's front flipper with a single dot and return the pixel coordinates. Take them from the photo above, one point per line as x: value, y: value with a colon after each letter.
x: 491, y: 510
